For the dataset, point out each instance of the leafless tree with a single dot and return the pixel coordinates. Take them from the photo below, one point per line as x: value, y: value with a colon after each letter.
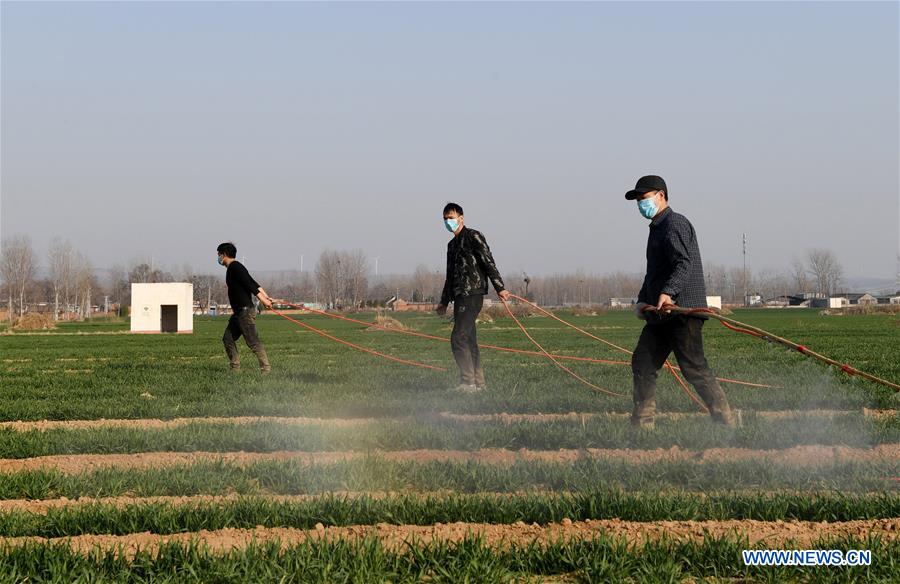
x: 825, y: 270
x: 120, y: 288
x: 143, y: 273
x: 800, y: 276
x: 17, y: 267
x: 85, y: 284
x: 355, y: 268
x: 329, y: 277
x: 343, y: 277
x: 772, y: 283
x: 426, y: 284
x: 204, y: 288
x: 60, y: 258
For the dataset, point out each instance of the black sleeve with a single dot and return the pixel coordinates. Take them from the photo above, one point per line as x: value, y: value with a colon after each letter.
x: 483, y: 254
x: 445, y: 293
x: 246, y: 281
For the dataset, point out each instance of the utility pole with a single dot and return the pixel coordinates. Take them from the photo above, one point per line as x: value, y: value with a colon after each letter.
x: 376, y: 266
x: 745, y: 269
x: 301, y: 263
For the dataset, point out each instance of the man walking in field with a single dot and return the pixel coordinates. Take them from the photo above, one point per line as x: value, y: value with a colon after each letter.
x: 469, y: 267
x: 674, y: 276
x: 241, y: 289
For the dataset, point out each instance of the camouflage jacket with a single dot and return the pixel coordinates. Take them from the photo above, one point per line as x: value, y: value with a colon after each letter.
x: 469, y: 267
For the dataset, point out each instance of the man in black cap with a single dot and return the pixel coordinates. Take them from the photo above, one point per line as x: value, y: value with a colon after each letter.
x: 674, y: 276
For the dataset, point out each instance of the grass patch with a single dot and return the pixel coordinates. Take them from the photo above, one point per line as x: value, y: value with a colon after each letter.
x: 851, y: 429
x: 600, y: 559
x: 542, y: 508
x: 376, y: 474
x: 186, y: 375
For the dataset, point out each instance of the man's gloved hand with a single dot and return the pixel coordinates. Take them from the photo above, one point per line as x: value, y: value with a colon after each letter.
x: 639, y: 310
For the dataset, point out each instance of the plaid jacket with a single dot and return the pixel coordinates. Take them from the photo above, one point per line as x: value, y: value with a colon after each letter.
x: 469, y: 267
x: 673, y: 264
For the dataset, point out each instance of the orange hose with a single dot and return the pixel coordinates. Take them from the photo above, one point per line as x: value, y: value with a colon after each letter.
x: 555, y: 362
x: 671, y: 368
x: 667, y: 365
x: 446, y: 340
x: 765, y: 335
x: 357, y: 347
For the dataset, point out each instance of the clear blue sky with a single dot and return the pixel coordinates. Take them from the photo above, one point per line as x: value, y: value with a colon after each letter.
x: 138, y: 129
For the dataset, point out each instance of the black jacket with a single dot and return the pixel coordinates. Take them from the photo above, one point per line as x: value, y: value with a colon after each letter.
x: 469, y: 267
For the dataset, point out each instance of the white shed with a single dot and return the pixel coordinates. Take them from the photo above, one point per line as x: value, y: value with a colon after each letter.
x: 162, y: 308
x: 838, y: 302
x: 714, y: 302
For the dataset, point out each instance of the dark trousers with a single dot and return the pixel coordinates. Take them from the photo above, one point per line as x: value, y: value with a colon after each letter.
x: 243, y: 324
x: 684, y: 336
x: 464, y: 340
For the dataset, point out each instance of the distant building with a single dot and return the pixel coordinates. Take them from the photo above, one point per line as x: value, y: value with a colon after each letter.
x: 838, y: 302
x: 399, y: 305
x: 622, y: 302
x: 787, y: 300
x: 867, y: 300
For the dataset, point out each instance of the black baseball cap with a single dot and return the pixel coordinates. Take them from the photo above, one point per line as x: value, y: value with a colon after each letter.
x: 647, y: 184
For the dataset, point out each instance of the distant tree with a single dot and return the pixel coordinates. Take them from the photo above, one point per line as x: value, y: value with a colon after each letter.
x: 427, y: 283
x: 120, y: 288
x: 85, y: 285
x: 825, y: 270
x: 143, y: 273
x: 799, y: 275
x: 356, y: 275
x: 329, y: 276
x: 17, y: 267
x: 60, y: 258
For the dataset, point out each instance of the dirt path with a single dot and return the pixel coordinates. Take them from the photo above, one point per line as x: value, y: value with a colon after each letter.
x: 579, y: 416
x: 150, y: 423
x: 24, y: 426
x: 799, y: 456
x: 767, y: 534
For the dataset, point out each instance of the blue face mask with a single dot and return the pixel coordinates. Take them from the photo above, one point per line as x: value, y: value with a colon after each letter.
x: 451, y: 224
x: 221, y: 261
x: 648, y: 208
